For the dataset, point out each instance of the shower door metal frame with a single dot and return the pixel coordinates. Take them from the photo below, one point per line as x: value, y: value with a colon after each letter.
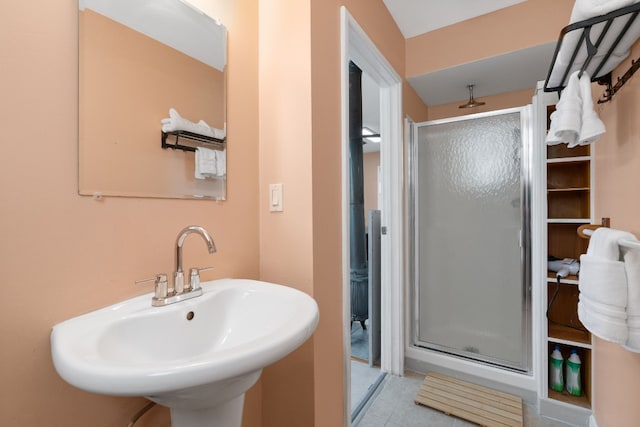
x: 526, y: 181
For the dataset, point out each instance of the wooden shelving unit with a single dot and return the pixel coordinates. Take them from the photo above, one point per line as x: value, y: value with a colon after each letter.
x: 569, y: 196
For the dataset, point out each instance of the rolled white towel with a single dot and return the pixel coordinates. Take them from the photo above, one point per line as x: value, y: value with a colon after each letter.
x: 176, y: 122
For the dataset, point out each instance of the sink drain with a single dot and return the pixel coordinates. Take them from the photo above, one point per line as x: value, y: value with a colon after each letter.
x: 190, y: 315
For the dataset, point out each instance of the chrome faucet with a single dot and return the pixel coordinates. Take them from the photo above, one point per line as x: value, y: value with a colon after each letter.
x: 178, y: 277
x: 165, y: 296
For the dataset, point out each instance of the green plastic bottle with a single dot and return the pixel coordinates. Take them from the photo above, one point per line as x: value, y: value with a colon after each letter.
x: 556, y: 382
x: 573, y: 374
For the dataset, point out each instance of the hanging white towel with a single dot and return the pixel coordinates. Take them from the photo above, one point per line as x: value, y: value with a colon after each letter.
x: 221, y: 163
x: 552, y: 138
x: 632, y: 267
x: 604, y: 281
x: 603, y: 285
x: 575, y: 122
x: 205, y: 163
x: 610, y: 325
x: 567, y: 119
x: 592, y: 127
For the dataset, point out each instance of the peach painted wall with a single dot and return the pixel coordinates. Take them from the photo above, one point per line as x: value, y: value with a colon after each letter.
x: 143, y: 78
x: 62, y: 254
x: 616, y: 371
x: 375, y: 20
x: 300, y: 146
x: 286, y: 238
x: 523, y: 25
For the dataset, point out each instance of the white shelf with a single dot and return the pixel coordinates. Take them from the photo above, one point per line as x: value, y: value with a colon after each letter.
x: 569, y: 159
x: 567, y: 190
x: 569, y: 343
x: 562, y: 281
x: 569, y: 221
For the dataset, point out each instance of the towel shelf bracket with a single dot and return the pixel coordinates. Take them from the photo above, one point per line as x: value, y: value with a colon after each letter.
x: 201, y: 140
x: 599, y: 52
x: 611, y: 90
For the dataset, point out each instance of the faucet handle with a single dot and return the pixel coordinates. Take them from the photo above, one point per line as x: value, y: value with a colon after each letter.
x: 162, y: 285
x: 194, y: 277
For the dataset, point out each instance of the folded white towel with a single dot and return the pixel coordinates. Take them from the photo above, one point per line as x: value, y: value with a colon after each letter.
x: 602, y: 321
x: 585, y: 9
x: 633, y: 334
x: 205, y: 163
x: 604, y: 281
x: 603, y: 285
x: 632, y: 267
x: 176, y: 122
x: 592, y: 127
x: 604, y: 243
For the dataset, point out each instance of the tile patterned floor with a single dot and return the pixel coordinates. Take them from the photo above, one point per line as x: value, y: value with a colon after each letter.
x: 394, y: 407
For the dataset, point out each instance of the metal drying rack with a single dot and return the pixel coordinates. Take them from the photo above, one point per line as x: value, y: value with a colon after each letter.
x: 206, y: 141
x: 598, y: 52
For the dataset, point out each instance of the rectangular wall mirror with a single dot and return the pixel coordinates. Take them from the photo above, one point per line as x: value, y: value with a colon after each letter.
x: 137, y: 61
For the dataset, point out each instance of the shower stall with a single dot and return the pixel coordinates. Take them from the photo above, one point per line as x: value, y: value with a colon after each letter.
x: 470, y: 181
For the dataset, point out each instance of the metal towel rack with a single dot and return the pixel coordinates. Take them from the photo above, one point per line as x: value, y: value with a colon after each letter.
x: 597, y: 38
x: 205, y: 141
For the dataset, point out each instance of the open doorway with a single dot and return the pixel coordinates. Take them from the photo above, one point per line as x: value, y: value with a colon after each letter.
x: 359, y: 49
x: 364, y: 237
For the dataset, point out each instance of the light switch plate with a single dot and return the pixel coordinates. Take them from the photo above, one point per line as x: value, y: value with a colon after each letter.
x: 275, y: 198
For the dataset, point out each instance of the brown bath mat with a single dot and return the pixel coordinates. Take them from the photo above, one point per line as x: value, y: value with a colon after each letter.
x: 470, y: 402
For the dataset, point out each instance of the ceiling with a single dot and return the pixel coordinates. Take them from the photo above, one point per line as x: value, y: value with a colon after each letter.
x: 504, y: 73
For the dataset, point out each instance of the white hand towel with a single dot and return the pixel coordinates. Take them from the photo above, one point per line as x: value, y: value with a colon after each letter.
x: 221, y: 163
x: 205, y: 163
x: 585, y: 9
x: 592, y: 127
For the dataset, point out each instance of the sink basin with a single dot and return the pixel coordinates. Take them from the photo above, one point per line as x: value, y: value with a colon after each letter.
x: 198, y: 357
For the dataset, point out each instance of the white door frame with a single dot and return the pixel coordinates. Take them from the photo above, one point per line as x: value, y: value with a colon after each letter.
x: 357, y: 47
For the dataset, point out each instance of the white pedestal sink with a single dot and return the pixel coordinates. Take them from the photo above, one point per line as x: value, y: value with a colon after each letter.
x: 198, y: 357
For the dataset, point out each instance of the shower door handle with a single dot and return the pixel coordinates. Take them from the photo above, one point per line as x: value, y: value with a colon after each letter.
x: 520, y: 238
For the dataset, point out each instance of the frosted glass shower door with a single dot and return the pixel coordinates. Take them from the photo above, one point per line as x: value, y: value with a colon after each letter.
x: 470, y: 224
